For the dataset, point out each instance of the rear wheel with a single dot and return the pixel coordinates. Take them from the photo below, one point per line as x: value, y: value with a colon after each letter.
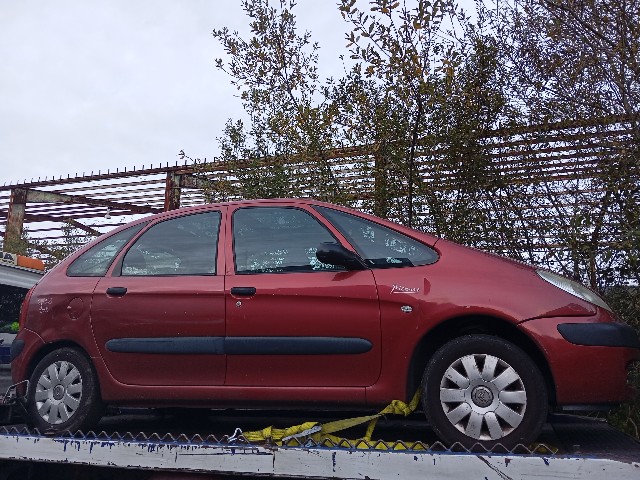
x: 483, y: 389
x: 63, y: 393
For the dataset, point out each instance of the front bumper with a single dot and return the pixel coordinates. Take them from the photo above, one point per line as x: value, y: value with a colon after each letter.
x: 589, y: 361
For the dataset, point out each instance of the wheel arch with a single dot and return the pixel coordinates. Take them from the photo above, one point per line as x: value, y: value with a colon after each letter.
x: 474, y: 324
x: 52, y: 347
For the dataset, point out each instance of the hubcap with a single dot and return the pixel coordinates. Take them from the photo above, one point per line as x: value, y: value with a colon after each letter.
x: 483, y: 396
x: 58, y: 392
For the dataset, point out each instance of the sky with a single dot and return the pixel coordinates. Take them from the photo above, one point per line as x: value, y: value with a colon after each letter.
x: 88, y: 85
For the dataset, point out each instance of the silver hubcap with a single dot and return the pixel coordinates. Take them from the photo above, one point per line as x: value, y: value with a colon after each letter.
x: 483, y: 396
x: 58, y: 392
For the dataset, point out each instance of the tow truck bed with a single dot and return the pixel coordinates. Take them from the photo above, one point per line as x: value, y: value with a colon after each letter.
x: 587, y: 449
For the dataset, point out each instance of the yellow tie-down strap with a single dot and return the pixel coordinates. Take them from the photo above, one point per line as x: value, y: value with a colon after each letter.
x: 323, y: 432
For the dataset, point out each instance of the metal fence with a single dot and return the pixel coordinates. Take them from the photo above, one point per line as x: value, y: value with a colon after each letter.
x: 568, y: 154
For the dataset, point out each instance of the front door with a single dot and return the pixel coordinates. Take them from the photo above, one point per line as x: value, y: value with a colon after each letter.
x: 158, y: 319
x: 292, y: 320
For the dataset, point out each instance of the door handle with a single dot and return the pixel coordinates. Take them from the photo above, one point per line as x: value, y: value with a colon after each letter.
x: 243, y: 291
x: 116, y: 291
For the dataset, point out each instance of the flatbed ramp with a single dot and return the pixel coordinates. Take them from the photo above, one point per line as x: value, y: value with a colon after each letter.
x: 587, y: 449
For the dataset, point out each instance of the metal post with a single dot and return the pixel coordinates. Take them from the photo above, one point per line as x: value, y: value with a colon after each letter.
x: 15, y: 221
x: 380, y: 185
x: 172, y: 191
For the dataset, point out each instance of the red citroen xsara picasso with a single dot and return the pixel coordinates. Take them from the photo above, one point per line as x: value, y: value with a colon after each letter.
x: 296, y: 303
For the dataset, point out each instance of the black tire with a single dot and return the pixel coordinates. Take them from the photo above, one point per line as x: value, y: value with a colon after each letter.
x: 64, y: 394
x: 505, y: 400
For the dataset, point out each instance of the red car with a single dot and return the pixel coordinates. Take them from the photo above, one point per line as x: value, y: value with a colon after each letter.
x: 296, y: 303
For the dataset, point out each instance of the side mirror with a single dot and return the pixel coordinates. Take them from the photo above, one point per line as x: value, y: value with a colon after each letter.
x: 336, y: 254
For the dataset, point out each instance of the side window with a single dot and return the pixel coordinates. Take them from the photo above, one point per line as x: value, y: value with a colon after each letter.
x: 180, y: 246
x: 95, y: 261
x: 278, y: 240
x: 379, y: 246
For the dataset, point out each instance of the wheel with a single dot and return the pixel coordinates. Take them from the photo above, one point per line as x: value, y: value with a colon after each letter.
x: 63, y: 393
x: 483, y: 389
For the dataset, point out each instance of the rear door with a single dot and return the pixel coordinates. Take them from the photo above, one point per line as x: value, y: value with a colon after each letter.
x: 291, y: 320
x: 158, y: 319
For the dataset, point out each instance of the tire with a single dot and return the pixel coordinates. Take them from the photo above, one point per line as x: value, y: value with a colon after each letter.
x: 483, y: 389
x: 63, y: 393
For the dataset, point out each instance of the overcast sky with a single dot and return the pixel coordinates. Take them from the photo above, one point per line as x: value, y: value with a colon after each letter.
x: 95, y: 85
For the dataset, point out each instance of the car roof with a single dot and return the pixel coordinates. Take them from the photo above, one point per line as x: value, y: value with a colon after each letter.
x: 431, y: 240
x: 248, y: 203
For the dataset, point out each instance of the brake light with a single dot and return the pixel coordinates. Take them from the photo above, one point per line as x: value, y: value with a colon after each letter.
x: 23, y: 309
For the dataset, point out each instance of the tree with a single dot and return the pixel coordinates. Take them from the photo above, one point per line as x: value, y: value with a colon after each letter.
x: 408, y: 95
x: 567, y: 61
x: 19, y: 247
x: 441, y: 72
x: 404, y: 49
x: 291, y: 120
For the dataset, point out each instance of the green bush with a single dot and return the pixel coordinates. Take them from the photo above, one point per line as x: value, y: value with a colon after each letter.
x: 626, y: 302
x: 9, y: 327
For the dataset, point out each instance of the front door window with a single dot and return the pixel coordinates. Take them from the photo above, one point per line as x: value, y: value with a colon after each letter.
x: 278, y: 240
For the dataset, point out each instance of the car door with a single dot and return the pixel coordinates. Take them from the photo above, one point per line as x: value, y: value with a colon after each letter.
x: 292, y: 320
x: 158, y: 318
x: 401, y: 267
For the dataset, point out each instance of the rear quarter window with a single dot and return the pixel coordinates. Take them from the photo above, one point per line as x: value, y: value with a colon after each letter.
x: 96, y: 261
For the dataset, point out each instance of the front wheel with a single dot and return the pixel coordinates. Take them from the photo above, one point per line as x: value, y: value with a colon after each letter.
x: 63, y: 393
x: 483, y: 389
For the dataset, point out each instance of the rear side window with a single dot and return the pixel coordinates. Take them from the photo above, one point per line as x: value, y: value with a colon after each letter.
x: 180, y: 246
x: 95, y: 261
x: 379, y: 246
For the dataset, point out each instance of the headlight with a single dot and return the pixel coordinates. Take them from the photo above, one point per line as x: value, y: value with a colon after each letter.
x: 574, y: 288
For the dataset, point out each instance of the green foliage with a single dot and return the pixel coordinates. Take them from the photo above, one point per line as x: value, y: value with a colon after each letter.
x: 10, y: 301
x: 625, y: 301
x: 291, y: 117
x: 568, y: 60
x: 414, y: 87
x: 9, y: 327
x: 73, y: 238
x: 447, y: 91
x: 20, y: 246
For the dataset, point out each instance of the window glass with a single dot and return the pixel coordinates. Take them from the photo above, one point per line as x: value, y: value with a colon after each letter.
x: 379, y: 246
x: 180, y: 246
x: 95, y: 261
x: 278, y: 240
